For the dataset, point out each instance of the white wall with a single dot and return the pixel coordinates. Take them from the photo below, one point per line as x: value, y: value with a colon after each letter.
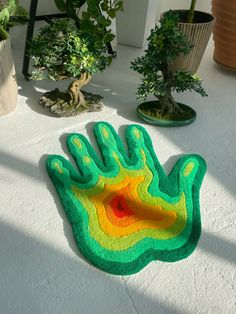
x: 45, y: 6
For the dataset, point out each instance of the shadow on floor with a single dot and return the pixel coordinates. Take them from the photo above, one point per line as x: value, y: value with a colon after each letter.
x: 36, y: 278
x: 28, y: 89
x: 219, y: 247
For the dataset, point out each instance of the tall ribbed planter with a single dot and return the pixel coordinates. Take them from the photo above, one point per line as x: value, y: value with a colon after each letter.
x: 8, y: 85
x: 198, y: 33
x: 224, y: 32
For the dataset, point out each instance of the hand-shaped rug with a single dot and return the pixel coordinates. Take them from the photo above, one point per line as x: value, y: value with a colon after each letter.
x: 124, y: 210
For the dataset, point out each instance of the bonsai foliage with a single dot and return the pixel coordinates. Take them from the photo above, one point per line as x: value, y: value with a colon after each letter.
x: 93, y: 22
x: 75, y: 47
x: 165, y: 43
x: 10, y: 14
x: 59, y: 52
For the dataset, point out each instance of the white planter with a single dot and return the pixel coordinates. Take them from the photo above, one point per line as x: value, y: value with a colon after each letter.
x: 8, y: 85
x: 134, y: 24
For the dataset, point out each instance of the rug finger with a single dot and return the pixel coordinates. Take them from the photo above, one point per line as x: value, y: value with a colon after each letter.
x: 110, y: 145
x: 84, y: 156
x: 191, y: 172
x: 140, y: 147
x: 61, y: 171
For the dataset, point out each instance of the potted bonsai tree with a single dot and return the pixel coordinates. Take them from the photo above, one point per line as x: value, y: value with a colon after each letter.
x: 165, y: 43
x: 74, y: 48
x: 10, y: 14
x: 197, y: 27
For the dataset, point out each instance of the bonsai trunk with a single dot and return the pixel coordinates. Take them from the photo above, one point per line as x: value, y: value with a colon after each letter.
x: 167, y: 103
x: 73, y: 101
x: 77, y: 97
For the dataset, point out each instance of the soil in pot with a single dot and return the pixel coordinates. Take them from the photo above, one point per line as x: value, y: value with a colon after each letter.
x: 199, y: 16
x: 150, y: 113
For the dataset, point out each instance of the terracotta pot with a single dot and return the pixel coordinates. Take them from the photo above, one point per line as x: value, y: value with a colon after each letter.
x: 198, y: 33
x: 224, y: 32
x: 8, y: 85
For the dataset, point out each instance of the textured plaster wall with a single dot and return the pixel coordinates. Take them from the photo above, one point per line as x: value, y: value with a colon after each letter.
x: 46, y: 6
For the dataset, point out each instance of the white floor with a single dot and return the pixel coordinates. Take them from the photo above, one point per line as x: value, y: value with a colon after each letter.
x: 41, y: 270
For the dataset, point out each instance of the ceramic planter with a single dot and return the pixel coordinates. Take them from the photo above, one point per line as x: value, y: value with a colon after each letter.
x: 198, y: 34
x: 134, y: 24
x: 8, y: 85
x: 224, y: 32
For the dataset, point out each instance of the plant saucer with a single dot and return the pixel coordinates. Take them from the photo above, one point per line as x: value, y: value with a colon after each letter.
x: 145, y: 112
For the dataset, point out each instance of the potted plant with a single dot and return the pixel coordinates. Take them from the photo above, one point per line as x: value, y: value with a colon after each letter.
x: 10, y: 14
x: 74, y: 48
x: 224, y: 32
x: 165, y: 43
x: 197, y: 27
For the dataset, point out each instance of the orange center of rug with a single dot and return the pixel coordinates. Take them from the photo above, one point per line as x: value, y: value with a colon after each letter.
x: 121, y: 211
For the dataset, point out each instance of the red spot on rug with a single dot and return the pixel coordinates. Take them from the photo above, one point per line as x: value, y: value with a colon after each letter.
x: 120, y: 207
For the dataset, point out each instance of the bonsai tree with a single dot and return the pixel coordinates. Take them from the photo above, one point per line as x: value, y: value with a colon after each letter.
x: 74, y: 48
x: 10, y: 14
x: 165, y: 43
x: 59, y: 52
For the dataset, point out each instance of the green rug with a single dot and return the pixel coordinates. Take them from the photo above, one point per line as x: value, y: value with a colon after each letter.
x: 124, y: 210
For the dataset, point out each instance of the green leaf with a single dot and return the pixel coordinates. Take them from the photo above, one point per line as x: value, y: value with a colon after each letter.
x: 61, y: 5
x: 20, y: 11
x: 108, y: 37
x: 85, y: 15
x: 3, y: 34
x: 4, y: 17
x: 103, y: 21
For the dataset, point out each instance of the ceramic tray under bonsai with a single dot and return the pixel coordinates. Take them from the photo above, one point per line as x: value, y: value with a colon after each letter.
x: 146, y: 112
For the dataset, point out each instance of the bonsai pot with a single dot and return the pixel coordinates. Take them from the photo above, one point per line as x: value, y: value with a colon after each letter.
x: 147, y: 111
x: 224, y: 32
x: 198, y: 33
x: 8, y: 85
